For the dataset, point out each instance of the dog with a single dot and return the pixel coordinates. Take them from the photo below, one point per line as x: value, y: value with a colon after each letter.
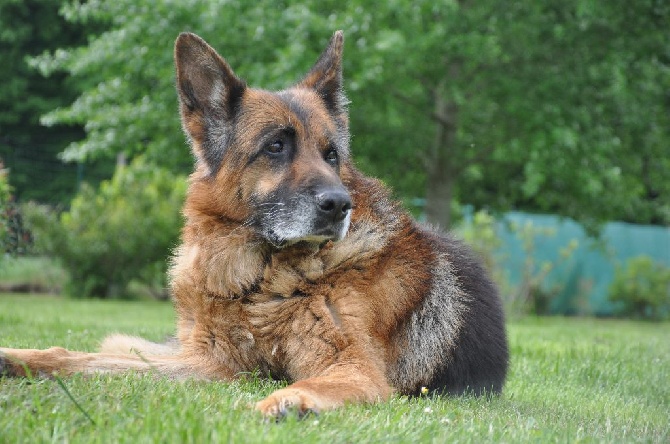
x: 294, y: 264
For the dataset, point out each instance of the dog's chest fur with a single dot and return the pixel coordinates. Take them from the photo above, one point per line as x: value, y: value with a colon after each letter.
x: 290, y: 312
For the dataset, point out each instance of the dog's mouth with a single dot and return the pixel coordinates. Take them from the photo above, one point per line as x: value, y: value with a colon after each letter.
x: 317, y: 237
x: 311, y: 243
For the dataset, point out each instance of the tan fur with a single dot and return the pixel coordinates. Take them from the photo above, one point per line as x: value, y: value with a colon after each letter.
x: 118, y: 343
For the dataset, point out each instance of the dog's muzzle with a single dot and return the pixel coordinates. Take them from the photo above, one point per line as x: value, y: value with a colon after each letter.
x: 315, y: 217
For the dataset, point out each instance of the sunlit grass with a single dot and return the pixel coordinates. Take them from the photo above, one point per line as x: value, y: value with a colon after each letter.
x: 570, y: 380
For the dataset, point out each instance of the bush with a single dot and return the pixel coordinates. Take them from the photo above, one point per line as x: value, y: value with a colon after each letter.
x: 44, y: 225
x: 641, y: 289
x: 532, y: 295
x: 14, y: 238
x: 481, y: 234
x: 5, y: 197
x: 123, y: 231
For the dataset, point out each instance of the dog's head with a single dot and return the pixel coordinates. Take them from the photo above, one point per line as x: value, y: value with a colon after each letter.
x: 270, y: 160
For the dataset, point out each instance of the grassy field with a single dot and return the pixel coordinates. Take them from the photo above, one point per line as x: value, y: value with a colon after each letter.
x: 571, y: 380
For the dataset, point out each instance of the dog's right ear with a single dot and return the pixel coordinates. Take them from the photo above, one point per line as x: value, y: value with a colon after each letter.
x: 209, y: 95
x: 325, y: 77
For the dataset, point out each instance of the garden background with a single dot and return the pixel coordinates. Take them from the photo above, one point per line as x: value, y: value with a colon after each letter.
x: 482, y: 116
x: 538, y: 131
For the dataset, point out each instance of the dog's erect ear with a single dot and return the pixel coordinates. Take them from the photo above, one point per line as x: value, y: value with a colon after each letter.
x: 326, y: 76
x: 209, y: 94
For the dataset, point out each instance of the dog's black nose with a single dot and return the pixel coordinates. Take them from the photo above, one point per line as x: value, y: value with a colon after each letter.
x: 334, y: 203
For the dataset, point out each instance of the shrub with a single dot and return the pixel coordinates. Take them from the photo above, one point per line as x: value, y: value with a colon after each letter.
x: 481, y: 234
x: 121, y: 232
x: 46, y: 231
x: 38, y: 271
x: 641, y: 289
x: 5, y: 196
x: 532, y: 295
x: 14, y: 238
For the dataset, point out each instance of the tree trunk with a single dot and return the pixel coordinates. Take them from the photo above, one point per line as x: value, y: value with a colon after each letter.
x: 440, y: 171
x: 438, y: 200
x: 121, y: 160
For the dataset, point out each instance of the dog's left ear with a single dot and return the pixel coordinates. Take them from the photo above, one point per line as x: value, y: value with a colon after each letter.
x: 325, y: 77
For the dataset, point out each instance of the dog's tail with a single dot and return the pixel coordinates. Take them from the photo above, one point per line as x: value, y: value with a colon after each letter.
x: 118, y: 343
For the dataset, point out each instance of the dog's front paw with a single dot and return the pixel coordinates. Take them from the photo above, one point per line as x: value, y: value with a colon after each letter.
x: 283, y: 401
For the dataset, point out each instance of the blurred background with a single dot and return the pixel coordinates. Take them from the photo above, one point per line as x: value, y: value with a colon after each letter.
x: 538, y: 130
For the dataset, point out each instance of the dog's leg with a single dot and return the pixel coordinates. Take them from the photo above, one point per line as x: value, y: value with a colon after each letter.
x: 21, y: 362
x: 339, y: 385
x: 124, y: 344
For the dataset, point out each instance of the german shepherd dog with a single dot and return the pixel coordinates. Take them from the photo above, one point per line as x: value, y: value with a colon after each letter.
x: 294, y: 264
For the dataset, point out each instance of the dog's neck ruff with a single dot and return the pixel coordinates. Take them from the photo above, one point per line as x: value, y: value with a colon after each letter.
x: 284, y: 271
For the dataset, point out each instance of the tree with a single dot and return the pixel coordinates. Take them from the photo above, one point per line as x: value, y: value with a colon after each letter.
x: 27, y: 28
x: 131, y: 106
x: 543, y: 106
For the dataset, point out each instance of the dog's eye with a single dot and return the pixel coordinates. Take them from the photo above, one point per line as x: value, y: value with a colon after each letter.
x: 275, y: 147
x: 331, y: 157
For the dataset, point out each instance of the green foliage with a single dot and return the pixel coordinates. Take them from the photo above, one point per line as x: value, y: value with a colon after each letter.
x: 5, y: 196
x: 546, y: 106
x: 122, y: 231
x: 28, y: 28
x: 522, y: 105
x: 570, y: 380
x: 481, y: 234
x: 641, y: 289
x: 5, y: 188
x: 14, y: 237
x: 131, y: 104
x: 43, y: 223
x: 531, y: 295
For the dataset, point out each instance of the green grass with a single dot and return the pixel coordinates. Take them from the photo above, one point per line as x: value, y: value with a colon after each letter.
x: 571, y: 380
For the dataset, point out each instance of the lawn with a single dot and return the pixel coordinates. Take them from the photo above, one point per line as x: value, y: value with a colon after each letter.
x: 570, y: 380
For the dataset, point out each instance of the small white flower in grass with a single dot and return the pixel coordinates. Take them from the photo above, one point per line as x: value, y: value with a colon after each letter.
x: 424, y: 390
x: 427, y: 410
